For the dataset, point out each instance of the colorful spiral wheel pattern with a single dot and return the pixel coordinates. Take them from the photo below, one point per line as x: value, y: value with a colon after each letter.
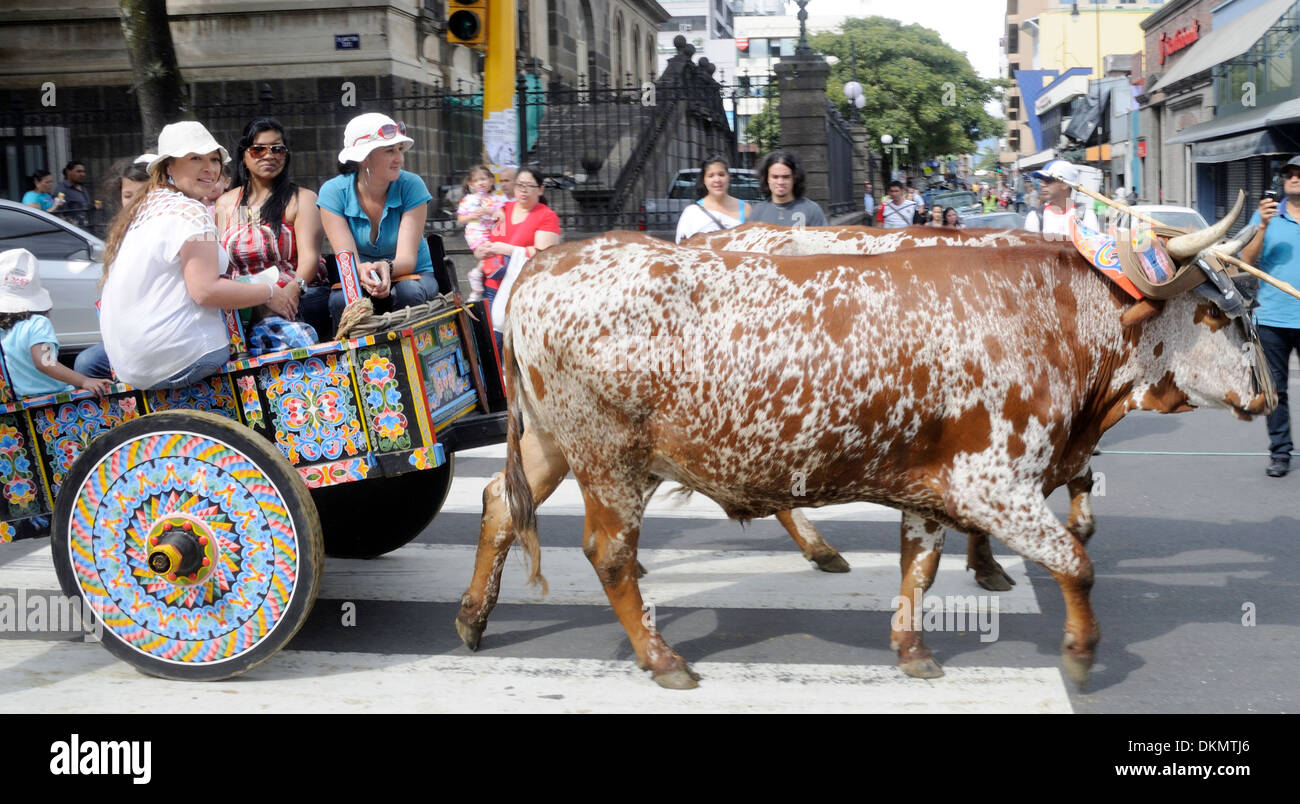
x: 245, y: 597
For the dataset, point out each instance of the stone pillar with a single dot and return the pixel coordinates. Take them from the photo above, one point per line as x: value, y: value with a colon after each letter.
x: 803, y: 118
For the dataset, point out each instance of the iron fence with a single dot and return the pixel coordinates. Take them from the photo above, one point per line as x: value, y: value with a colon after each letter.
x: 616, y: 156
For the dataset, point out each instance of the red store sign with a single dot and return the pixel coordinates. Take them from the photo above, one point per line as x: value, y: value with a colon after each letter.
x: 1181, y: 39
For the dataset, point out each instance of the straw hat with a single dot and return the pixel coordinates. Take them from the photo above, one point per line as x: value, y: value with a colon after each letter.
x: 20, y: 283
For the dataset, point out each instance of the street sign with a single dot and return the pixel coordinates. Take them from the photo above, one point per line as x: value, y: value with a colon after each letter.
x: 347, y: 41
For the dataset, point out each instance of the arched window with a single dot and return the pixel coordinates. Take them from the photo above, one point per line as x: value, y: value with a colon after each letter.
x: 619, y: 66
x: 651, y: 58
x: 636, y: 54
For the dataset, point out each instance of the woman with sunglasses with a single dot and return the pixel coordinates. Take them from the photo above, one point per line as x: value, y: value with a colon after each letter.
x: 377, y: 211
x: 269, y: 222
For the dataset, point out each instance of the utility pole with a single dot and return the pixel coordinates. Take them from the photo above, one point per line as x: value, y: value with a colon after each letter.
x: 500, y: 119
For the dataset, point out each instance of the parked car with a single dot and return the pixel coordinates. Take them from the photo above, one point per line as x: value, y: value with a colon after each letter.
x: 662, y: 213
x: 995, y: 220
x: 71, y: 263
x: 1174, y: 215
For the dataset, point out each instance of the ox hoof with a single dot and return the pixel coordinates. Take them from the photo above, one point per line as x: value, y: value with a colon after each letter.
x: 832, y: 563
x: 925, y: 667
x: 641, y: 571
x: 993, y: 578
x: 469, y: 634
x: 682, y: 679
x: 1077, y: 664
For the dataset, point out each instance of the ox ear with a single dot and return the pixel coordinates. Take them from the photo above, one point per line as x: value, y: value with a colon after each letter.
x: 1140, y: 311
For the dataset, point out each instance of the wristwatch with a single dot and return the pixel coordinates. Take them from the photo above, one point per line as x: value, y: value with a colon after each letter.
x: 301, y: 283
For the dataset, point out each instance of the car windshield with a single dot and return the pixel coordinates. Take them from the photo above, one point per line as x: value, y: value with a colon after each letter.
x: 957, y: 199
x: 992, y: 221
x: 1186, y: 220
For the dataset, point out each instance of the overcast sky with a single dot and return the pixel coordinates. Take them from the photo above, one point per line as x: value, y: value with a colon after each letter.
x: 971, y: 26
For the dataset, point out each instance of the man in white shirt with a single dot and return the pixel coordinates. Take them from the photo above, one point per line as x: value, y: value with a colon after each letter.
x: 1053, y: 218
x: 899, y: 210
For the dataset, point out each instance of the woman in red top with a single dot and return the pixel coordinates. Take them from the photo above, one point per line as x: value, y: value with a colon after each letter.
x: 526, y: 221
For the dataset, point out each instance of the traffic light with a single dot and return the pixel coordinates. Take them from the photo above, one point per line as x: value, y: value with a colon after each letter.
x: 467, y: 24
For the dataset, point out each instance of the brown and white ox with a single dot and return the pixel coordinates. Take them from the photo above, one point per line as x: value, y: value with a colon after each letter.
x: 960, y: 389
x: 767, y: 238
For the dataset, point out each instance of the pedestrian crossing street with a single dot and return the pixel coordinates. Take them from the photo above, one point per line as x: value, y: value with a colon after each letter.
x: 43, y: 675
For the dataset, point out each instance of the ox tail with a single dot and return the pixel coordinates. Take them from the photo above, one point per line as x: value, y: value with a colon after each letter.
x: 519, y: 497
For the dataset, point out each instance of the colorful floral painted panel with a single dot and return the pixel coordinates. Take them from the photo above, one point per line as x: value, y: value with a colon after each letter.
x: 213, y: 394
x: 313, y: 409
x: 382, y: 394
x: 251, y: 402
x: 18, y: 481
x: 68, y: 428
x: 331, y: 474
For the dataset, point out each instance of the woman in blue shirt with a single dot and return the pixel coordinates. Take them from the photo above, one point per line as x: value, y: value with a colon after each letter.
x: 377, y: 211
x: 39, y: 196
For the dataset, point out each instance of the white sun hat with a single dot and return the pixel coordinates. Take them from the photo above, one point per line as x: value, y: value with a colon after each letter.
x: 145, y: 159
x: 185, y: 138
x: 366, y: 132
x: 20, y: 283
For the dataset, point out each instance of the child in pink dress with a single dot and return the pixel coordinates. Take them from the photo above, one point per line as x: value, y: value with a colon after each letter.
x: 477, y: 213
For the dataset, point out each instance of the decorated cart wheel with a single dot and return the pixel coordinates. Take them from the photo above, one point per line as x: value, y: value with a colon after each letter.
x: 193, y: 540
x: 368, y: 518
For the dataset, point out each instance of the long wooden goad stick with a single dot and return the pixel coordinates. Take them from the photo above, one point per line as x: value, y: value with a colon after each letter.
x: 1285, y: 287
x: 1125, y: 208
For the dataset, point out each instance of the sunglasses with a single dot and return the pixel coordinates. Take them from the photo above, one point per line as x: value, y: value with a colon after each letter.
x: 259, y: 151
x: 385, y: 132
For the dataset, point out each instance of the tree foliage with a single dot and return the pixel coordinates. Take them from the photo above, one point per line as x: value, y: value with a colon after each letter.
x: 916, y: 86
x: 764, y: 128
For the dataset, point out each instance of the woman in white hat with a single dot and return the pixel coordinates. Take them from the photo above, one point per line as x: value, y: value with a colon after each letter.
x: 31, y: 348
x: 163, y: 290
x: 377, y: 211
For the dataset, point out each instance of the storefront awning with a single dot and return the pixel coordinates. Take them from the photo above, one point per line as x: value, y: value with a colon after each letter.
x: 1230, y: 149
x: 1275, y: 115
x: 1036, y: 160
x: 1225, y: 43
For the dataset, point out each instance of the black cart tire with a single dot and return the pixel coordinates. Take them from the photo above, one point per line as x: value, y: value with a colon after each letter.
x: 243, y: 526
x: 368, y: 518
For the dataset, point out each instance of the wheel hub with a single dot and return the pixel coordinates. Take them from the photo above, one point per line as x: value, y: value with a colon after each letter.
x: 182, y: 549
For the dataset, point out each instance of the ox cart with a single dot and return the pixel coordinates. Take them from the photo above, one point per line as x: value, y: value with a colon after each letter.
x: 193, y: 523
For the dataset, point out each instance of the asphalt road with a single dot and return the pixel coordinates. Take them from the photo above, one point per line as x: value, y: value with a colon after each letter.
x: 1196, y: 568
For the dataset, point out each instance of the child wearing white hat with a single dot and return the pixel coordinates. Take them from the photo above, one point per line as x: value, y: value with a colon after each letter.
x: 31, y: 348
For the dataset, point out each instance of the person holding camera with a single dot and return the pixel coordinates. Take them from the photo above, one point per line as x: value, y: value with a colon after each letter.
x: 1275, y: 249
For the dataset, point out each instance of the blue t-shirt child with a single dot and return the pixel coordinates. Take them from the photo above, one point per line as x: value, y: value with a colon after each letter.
x: 339, y: 195
x: 17, y: 342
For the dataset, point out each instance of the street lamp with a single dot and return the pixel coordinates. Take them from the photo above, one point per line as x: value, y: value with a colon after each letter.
x: 887, y: 144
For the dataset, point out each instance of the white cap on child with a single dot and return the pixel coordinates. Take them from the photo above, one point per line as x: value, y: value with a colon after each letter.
x: 20, y: 283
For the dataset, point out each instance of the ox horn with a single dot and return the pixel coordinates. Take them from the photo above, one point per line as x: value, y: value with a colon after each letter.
x: 1239, y: 242
x: 1189, y: 245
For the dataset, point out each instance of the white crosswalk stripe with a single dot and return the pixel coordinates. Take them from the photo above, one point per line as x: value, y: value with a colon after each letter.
x: 79, y: 677
x: 84, y: 678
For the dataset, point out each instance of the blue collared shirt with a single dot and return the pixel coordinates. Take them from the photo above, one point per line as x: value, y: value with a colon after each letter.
x: 1280, y: 258
x: 339, y: 195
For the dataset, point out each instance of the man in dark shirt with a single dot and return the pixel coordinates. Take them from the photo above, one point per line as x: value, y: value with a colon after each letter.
x: 76, y: 199
x: 782, y: 178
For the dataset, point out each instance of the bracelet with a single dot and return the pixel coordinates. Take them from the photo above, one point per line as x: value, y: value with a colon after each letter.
x: 272, y: 296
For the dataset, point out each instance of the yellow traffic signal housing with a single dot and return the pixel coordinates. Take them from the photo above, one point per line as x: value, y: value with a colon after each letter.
x: 467, y: 23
